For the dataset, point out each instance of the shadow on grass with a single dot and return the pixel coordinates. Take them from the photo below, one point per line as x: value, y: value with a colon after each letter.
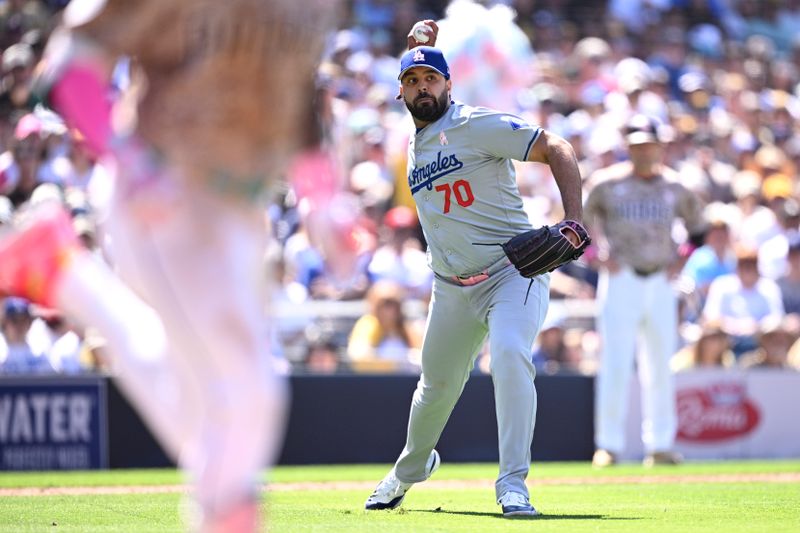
x: 538, y: 517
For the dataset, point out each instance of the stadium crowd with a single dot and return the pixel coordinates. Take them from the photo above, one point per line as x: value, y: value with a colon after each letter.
x: 722, y: 78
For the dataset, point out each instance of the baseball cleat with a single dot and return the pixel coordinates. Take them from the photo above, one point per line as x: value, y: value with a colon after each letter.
x: 33, y: 257
x: 390, y: 492
x: 516, y: 504
x: 603, y: 458
x: 663, y: 458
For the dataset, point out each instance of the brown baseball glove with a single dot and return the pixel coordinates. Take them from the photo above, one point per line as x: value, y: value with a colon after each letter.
x: 545, y: 249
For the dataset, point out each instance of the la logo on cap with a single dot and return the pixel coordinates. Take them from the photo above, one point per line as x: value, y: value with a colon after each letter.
x: 419, y: 56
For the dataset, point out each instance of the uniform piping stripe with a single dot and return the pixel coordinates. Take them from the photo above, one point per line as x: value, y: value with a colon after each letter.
x: 533, y: 140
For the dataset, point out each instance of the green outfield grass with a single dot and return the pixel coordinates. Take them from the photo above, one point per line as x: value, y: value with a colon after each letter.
x: 573, y: 497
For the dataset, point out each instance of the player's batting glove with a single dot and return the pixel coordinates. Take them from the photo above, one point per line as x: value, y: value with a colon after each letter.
x: 545, y: 249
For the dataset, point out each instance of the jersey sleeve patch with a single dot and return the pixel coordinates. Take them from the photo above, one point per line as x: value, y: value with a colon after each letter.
x: 515, y: 123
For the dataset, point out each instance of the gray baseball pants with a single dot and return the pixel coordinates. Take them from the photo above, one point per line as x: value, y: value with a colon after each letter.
x: 459, y: 320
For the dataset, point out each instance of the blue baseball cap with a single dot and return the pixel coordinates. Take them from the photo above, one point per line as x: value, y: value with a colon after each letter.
x: 424, y: 56
x: 13, y: 306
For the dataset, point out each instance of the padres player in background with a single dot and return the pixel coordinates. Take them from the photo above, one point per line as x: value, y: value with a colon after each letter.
x: 228, y: 86
x: 631, y: 210
x: 461, y: 176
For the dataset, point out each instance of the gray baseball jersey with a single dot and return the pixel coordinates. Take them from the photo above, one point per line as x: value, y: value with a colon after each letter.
x: 463, y: 182
x: 464, y: 185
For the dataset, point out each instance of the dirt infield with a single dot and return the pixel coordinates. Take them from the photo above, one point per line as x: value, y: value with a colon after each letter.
x: 783, y: 477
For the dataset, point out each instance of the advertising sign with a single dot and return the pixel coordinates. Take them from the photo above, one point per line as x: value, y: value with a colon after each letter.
x: 53, y: 424
x: 729, y: 414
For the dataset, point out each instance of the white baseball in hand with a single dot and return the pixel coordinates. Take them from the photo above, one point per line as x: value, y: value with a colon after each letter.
x: 422, y: 33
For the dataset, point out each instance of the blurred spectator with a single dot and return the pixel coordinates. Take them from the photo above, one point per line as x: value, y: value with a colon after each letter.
x: 715, y: 258
x: 754, y: 222
x: 772, y: 255
x: 17, y: 355
x: 287, y: 296
x: 323, y: 356
x: 637, y: 15
x: 742, y: 301
x: 374, y: 13
x: 592, y: 56
x: 328, y: 287
x: 65, y: 352
x: 789, y: 283
x: 711, y: 349
x: 18, y: 17
x: 311, y: 270
x: 79, y: 165
x: 19, y: 167
x: 384, y: 338
x: 760, y: 19
x: 93, y: 355
x: 18, y: 61
x: 549, y: 351
x: 774, y: 342
x: 57, y: 143
x: 558, y: 350
x: 302, y: 258
x: 636, y: 90
x: 370, y: 177
x: 401, y: 258
x: 704, y: 173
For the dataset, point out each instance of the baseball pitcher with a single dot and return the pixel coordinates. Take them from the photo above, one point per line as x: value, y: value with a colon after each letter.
x: 490, y: 266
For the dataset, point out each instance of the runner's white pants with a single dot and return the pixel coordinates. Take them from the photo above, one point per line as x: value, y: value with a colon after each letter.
x: 638, y: 319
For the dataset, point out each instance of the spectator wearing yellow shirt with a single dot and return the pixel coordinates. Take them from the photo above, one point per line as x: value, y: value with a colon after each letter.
x: 384, y: 339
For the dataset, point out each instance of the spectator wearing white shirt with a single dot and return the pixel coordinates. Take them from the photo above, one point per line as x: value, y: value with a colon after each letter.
x: 743, y: 301
x: 17, y: 355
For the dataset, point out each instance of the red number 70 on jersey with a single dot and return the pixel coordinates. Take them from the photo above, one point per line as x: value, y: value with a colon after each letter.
x: 461, y: 190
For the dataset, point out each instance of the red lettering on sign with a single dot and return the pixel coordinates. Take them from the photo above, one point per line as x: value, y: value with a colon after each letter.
x: 715, y: 413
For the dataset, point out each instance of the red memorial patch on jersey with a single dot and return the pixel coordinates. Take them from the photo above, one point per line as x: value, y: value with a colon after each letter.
x: 715, y: 413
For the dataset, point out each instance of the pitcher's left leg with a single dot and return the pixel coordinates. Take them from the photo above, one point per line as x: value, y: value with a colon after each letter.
x: 513, y: 326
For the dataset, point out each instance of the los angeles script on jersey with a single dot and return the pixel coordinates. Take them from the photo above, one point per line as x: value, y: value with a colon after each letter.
x: 425, y: 176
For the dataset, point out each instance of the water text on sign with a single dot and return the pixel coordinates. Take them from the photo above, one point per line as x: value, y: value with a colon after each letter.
x: 41, y: 417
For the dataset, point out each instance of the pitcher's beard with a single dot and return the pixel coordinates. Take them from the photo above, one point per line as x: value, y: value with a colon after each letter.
x: 430, y: 112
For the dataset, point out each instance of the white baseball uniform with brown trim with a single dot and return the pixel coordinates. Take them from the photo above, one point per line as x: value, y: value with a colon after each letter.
x: 637, y: 215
